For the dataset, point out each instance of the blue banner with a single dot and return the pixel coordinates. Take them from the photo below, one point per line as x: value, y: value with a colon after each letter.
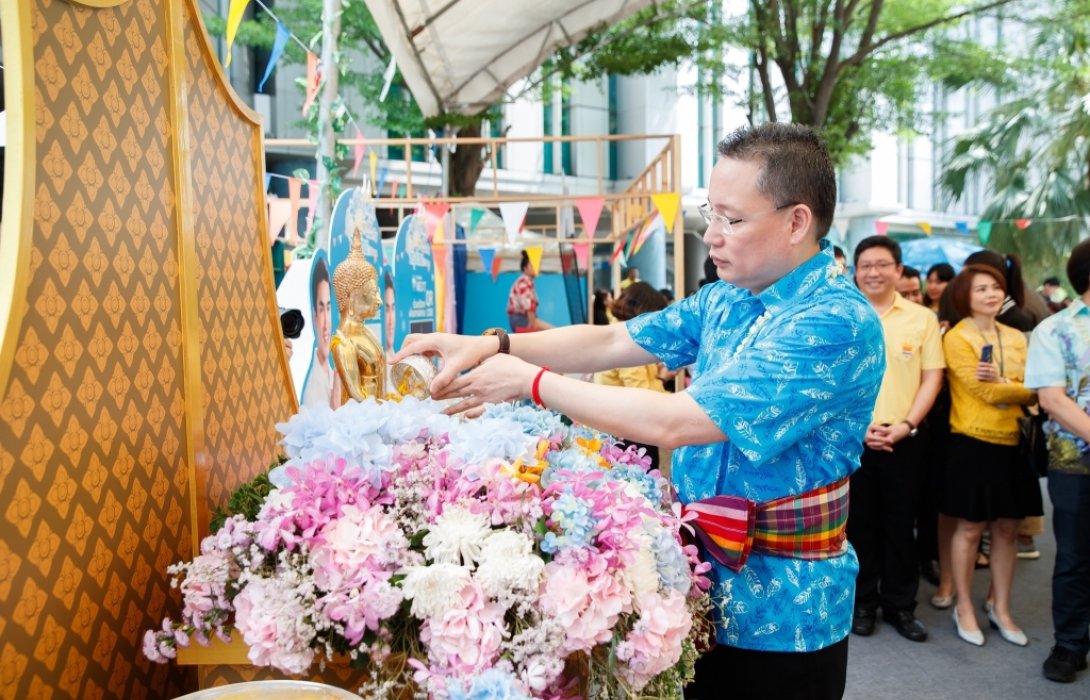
x: 414, y: 281
x: 281, y: 41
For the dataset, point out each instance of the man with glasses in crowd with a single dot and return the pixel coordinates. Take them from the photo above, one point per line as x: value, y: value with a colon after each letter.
x: 886, y: 488
x: 788, y: 359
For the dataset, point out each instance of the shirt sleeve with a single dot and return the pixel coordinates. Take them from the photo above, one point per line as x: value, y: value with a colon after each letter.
x: 673, y: 334
x: 802, y: 374
x: 932, y: 356
x: 1045, y: 363
x: 962, y: 359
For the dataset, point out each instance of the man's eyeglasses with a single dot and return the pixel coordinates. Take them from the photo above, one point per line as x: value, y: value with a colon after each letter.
x: 883, y: 266
x: 727, y: 223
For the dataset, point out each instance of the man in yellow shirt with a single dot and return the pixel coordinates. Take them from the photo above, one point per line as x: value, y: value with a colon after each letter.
x: 886, y: 486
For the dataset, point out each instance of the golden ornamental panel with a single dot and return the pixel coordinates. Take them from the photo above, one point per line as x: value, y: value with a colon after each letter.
x: 110, y: 311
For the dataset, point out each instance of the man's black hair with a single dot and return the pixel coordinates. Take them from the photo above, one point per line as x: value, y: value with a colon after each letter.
x: 795, y: 166
x: 1078, y: 267
x: 886, y: 242
x: 319, y: 274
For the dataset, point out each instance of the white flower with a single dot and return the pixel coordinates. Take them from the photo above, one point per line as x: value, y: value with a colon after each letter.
x: 477, y: 441
x: 642, y: 574
x: 507, y: 563
x: 434, y: 589
x: 457, y: 536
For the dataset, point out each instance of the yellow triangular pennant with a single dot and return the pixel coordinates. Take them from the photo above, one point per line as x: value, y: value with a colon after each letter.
x: 667, y: 203
x: 925, y: 226
x: 534, y: 253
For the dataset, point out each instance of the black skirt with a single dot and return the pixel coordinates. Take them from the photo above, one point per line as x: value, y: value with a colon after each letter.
x: 985, y: 481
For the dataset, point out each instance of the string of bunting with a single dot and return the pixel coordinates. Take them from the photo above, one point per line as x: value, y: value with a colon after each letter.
x: 235, y: 12
x: 984, y: 226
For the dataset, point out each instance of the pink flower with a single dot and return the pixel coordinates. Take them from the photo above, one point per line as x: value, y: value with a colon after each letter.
x: 272, y: 617
x: 654, y: 644
x: 585, y: 598
x: 468, y: 637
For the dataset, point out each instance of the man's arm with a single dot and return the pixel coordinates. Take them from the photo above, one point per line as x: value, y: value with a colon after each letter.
x: 652, y: 417
x: 930, y: 385
x: 578, y: 348
x: 1064, y: 411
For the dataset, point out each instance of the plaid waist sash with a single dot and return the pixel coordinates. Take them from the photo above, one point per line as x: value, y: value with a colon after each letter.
x: 808, y: 526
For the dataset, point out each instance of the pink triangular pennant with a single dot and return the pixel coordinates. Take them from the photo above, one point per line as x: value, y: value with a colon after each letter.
x: 359, y: 149
x: 590, y: 211
x: 295, y: 187
x: 313, y: 79
x: 1023, y: 224
x: 279, y: 211
x: 667, y: 204
x: 534, y: 253
x: 433, y: 213
x: 312, y: 202
x: 513, y: 214
x: 487, y: 256
x: 881, y: 227
x: 581, y: 251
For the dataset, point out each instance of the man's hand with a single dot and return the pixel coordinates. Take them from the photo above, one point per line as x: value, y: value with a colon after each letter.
x: 499, y: 378
x: 458, y: 353
x: 882, y: 438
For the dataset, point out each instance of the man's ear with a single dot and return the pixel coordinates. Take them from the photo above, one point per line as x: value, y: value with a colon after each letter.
x: 802, y: 220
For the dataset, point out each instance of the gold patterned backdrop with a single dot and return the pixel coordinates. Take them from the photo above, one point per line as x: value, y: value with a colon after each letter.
x: 141, y: 371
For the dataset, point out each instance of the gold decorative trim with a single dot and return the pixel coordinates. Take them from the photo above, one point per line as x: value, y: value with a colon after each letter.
x: 197, y: 457
x: 17, y: 226
x: 98, y: 4
x: 217, y: 70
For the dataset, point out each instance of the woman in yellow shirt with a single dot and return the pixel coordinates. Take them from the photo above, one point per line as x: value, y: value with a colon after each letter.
x: 637, y: 298
x: 986, y: 482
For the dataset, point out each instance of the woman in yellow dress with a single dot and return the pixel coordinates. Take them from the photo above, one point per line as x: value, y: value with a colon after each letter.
x: 986, y: 482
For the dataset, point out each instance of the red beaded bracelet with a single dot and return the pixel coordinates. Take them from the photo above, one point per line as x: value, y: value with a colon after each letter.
x: 535, y: 388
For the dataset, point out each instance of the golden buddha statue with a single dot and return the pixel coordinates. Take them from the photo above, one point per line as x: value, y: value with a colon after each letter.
x: 357, y: 353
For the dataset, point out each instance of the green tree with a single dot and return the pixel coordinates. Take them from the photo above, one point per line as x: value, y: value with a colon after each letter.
x: 847, y: 67
x: 1033, y: 151
x: 607, y: 52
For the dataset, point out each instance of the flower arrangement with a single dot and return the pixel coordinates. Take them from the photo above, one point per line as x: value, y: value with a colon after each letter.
x: 510, y: 556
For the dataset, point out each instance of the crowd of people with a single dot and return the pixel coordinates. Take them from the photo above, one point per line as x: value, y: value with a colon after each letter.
x: 968, y: 357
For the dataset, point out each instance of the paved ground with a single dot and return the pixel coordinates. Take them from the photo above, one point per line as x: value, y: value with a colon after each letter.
x: 887, y: 666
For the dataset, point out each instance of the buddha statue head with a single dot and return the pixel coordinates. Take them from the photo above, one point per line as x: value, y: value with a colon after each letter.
x: 355, y: 282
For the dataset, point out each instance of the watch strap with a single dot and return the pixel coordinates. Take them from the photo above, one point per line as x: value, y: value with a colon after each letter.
x: 505, y: 340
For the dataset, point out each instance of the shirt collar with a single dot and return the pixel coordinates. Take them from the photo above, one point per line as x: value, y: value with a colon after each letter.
x: 1079, y: 307
x: 802, y: 281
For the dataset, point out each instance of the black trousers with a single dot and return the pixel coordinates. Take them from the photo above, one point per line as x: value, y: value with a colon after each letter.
x: 1070, y: 495
x: 744, y: 674
x: 881, y: 516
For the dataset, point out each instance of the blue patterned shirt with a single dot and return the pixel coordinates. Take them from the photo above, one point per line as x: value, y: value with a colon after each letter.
x: 1059, y: 355
x: 790, y: 376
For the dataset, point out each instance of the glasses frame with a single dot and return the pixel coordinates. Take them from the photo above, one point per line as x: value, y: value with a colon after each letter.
x: 727, y: 223
x: 881, y: 266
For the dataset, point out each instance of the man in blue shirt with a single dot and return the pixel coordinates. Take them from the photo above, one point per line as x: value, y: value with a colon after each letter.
x: 788, y: 359
x: 1058, y: 367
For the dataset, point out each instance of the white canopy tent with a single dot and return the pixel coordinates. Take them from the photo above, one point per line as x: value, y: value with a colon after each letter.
x: 462, y: 55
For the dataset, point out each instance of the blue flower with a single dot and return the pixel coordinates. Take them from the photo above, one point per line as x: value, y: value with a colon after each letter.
x: 493, y: 684
x: 670, y: 561
x: 573, y: 517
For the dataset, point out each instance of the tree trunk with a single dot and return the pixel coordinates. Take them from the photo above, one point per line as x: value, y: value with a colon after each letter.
x: 326, y: 155
x: 466, y: 164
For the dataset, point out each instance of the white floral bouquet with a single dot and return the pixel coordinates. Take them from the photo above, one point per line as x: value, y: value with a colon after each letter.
x: 509, y: 556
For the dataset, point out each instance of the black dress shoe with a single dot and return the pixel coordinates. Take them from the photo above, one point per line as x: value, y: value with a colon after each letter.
x: 906, y: 625
x: 1063, y: 664
x: 863, y: 622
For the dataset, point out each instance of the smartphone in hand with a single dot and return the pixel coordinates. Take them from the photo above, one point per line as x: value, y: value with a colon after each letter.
x: 986, y: 353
